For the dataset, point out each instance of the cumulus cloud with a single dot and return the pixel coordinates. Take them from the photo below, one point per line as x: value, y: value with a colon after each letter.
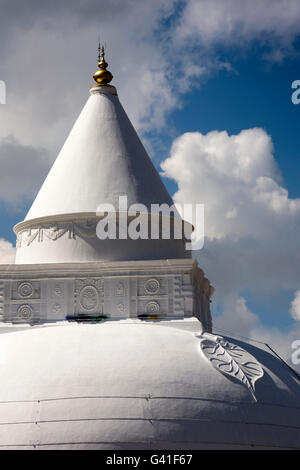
x: 237, y: 179
x: 7, y: 252
x: 235, y: 22
x: 236, y: 316
x: 252, y: 227
x: 295, y: 306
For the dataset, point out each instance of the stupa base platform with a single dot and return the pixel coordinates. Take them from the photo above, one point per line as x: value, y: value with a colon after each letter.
x: 154, y: 290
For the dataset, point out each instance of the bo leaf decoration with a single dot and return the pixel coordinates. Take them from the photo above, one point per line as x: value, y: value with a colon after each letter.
x: 232, y: 360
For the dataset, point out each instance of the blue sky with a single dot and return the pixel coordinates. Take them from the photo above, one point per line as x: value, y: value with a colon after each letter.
x: 185, y: 71
x: 255, y: 93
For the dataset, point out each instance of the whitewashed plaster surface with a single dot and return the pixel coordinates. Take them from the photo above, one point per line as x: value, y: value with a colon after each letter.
x: 128, y: 384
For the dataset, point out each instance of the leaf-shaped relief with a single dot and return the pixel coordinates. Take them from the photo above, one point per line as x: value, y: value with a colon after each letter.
x: 232, y: 360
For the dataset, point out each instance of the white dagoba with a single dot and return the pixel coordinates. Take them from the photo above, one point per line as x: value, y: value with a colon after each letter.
x: 102, y: 159
x: 108, y: 344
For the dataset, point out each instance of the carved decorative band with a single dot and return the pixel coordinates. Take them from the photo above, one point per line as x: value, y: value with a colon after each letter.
x: 54, y: 232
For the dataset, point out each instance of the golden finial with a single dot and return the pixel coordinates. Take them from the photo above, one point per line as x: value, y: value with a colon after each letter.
x: 102, y: 76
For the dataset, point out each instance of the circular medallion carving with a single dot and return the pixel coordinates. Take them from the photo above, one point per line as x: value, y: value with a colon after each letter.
x: 152, y: 286
x: 89, y: 298
x: 152, y: 307
x: 25, y: 312
x: 25, y: 289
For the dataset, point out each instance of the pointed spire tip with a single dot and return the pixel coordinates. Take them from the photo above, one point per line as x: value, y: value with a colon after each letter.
x: 102, y: 77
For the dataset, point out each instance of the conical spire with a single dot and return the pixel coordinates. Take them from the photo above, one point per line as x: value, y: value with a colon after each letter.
x: 102, y: 160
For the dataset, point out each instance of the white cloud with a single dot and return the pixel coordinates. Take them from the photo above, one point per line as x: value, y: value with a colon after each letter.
x: 7, y: 252
x: 252, y: 227
x: 236, y: 22
x: 236, y: 317
x: 295, y: 306
x: 237, y: 179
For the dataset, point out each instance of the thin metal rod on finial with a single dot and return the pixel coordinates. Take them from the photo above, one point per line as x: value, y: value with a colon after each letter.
x: 99, y: 49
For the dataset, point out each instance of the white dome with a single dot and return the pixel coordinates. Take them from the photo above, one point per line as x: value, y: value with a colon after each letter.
x: 136, y: 385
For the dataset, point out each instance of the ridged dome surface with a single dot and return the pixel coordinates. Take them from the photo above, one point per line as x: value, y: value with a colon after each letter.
x: 135, y: 385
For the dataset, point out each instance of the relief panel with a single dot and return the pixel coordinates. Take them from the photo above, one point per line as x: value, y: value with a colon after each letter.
x: 26, y: 290
x: 57, y: 298
x: 117, y: 297
x: 89, y: 296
